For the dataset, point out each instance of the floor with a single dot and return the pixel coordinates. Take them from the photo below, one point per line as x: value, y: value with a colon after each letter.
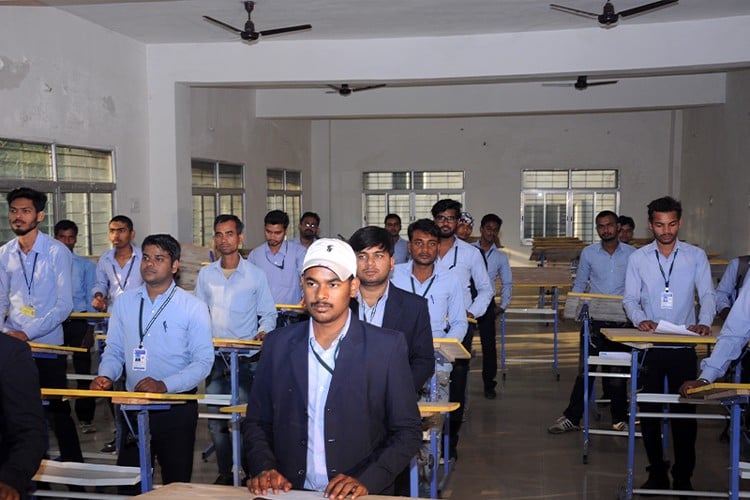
x: 505, y: 450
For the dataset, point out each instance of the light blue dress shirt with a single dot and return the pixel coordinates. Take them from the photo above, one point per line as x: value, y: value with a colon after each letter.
x: 237, y: 303
x: 466, y: 262
x: 732, y: 340
x: 400, y: 251
x: 179, y: 351
x: 374, y: 314
x: 725, y: 291
x: 644, y: 285
x: 283, y: 270
x: 39, y: 279
x: 601, y: 272
x: 444, y: 300
x: 498, y: 266
x: 84, y: 277
x: 113, y: 279
x: 318, y: 383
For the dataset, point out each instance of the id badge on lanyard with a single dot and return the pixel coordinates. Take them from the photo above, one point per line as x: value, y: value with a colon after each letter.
x: 667, y: 299
x: 139, y: 360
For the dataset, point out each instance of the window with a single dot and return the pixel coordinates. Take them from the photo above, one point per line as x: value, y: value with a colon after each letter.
x: 565, y: 202
x: 284, y: 192
x: 79, y: 183
x: 218, y: 188
x: 409, y: 194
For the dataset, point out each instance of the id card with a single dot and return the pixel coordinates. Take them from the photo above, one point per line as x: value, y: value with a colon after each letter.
x: 139, y: 359
x: 667, y: 300
x: 28, y: 311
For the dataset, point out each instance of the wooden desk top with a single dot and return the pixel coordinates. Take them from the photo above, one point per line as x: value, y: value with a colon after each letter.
x: 122, y: 397
x: 291, y: 307
x: 54, y: 349
x: 425, y: 409
x: 89, y: 315
x: 238, y: 343
x: 451, y: 349
x: 720, y: 390
x: 541, y: 277
x: 180, y: 491
x: 650, y: 338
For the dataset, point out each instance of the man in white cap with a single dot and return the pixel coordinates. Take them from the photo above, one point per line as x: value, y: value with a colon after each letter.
x: 329, y: 409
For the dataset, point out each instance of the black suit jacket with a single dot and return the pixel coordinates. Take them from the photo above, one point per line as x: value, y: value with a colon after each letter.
x: 372, y: 425
x: 23, y: 435
x: 408, y: 313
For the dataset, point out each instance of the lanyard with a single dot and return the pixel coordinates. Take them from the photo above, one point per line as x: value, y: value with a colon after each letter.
x: 374, y: 309
x: 275, y: 264
x: 141, y: 332
x: 426, y: 289
x: 127, y: 276
x: 455, y: 256
x: 30, y: 282
x: 320, y: 360
x: 669, y: 276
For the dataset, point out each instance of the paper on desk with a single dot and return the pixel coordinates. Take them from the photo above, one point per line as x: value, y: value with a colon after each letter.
x: 665, y: 326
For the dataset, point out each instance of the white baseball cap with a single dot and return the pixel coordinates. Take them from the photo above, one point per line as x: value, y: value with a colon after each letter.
x: 333, y: 254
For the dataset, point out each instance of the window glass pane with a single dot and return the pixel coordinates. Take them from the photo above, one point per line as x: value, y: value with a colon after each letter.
x: 204, y: 174
x: 583, y: 216
x: 294, y: 210
x: 6, y: 234
x: 544, y: 179
x: 554, y: 213
x: 275, y: 180
x: 231, y: 204
x: 374, y: 209
x: 74, y: 206
x: 533, y: 215
x: 293, y: 181
x: 24, y: 160
x: 438, y: 180
x: 87, y: 165
x: 274, y: 202
x: 423, y: 205
x: 387, y: 180
x: 101, y: 213
x: 204, y: 214
x: 230, y: 176
x: 592, y: 179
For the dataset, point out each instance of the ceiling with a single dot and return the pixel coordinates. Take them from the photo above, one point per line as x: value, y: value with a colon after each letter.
x: 180, y: 21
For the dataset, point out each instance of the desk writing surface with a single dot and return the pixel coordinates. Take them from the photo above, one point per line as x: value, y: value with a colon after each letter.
x: 89, y: 315
x: 601, y: 307
x: 635, y: 335
x: 122, y: 396
x: 291, y: 307
x: 450, y: 348
x: 720, y: 390
x: 194, y: 490
x: 55, y: 349
x: 238, y: 343
x: 425, y: 408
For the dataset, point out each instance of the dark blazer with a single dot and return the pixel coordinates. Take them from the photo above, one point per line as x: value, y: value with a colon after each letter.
x: 23, y: 434
x: 408, y: 313
x: 372, y: 423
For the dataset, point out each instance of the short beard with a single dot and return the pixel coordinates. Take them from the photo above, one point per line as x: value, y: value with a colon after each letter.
x: 24, y: 232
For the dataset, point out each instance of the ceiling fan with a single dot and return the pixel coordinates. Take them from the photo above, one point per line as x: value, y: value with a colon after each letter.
x: 581, y: 83
x: 249, y: 32
x: 608, y: 15
x: 344, y: 89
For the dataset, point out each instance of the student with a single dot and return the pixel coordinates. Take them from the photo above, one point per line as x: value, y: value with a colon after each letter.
x: 35, y: 290
x: 730, y: 284
x: 392, y: 224
x: 79, y: 332
x: 309, y: 229
x: 601, y: 269
x: 160, y: 335
x: 329, y: 410
x: 627, y: 226
x: 241, y: 305
x: 465, y: 226
x: 117, y: 269
x: 498, y: 267
x: 23, y: 436
x: 661, y: 282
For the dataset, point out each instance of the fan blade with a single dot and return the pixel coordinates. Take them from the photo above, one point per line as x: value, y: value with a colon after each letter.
x: 605, y: 82
x: 333, y: 87
x: 222, y: 24
x: 644, y: 8
x: 577, y: 12
x: 288, y: 29
x: 369, y: 87
x: 557, y: 85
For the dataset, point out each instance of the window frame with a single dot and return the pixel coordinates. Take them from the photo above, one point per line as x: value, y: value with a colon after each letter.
x: 286, y: 195
x: 216, y: 192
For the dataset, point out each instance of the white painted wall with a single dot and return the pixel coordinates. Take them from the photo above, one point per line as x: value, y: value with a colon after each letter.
x: 65, y: 80
x: 493, y: 151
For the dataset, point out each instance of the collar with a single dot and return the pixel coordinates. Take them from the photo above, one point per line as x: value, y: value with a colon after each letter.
x: 144, y: 293
x: 339, y: 338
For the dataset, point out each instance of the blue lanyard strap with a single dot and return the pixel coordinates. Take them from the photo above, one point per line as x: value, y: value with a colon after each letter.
x: 29, y: 282
x: 141, y: 332
x: 127, y: 276
x: 413, y: 289
x: 320, y: 360
x: 671, y: 266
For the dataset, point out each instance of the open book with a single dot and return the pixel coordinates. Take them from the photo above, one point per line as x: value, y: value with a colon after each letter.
x: 667, y: 327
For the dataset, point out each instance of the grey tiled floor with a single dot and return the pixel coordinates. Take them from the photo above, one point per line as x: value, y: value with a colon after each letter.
x: 505, y: 451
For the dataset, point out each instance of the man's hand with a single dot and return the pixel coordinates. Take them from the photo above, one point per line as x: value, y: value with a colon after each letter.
x: 690, y: 384
x: 18, y: 334
x: 268, y: 479
x: 499, y: 311
x: 647, y: 326
x: 724, y: 313
x: 150, y: 385
x: 260, y: 336
x: 100, y: 384
x: 99, y: 303
x: 88, y: 338
x: 700, y: 329
x: 8, y: 493
x: 342, y: 485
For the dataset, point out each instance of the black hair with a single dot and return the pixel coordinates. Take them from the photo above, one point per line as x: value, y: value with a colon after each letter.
x: 164, y: 241
x: 38, y: 198
x: 491, y: 218
x: 665, y: 204
x: 310, y: 214
x: 66, y: 225
x: 276, y: 217
x: 222, y: 218
x: 392, y: 216
x: 124, y: 219
x: 371, y: 236
x: 606, y: 213
x: 624, y: 220
x: 446, y: 204
x: 426, y: 226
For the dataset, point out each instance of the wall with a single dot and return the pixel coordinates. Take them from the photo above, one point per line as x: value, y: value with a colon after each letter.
x: 224, y: 127
x: 58, y: 86
x: 493, y: 151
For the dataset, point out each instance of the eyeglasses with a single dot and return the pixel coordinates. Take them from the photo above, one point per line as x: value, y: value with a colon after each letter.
x: 310, y: 224
x: 446, y: 218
